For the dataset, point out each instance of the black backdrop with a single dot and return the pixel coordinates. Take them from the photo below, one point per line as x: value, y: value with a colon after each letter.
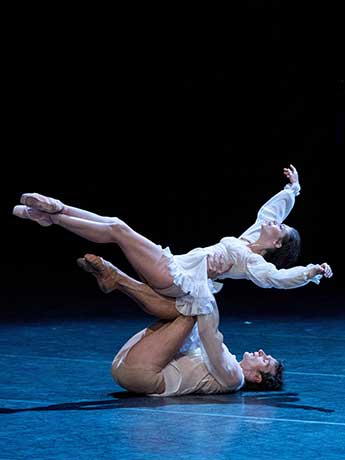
x: 182, y: 143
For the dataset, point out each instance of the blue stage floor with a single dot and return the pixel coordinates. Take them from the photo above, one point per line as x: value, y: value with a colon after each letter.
x: 58, y: 399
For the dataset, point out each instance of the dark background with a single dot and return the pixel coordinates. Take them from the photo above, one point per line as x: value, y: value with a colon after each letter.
x: 184, y: 135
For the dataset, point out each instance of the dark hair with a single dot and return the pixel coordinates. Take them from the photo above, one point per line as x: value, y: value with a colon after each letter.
x: 269, y: 381
x: 287, y: 255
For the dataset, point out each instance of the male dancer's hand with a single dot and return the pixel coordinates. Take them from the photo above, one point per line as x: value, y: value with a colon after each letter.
x: 216, y: 265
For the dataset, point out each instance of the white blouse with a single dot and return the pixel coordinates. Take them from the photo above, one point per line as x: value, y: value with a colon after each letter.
x: 189, y: 270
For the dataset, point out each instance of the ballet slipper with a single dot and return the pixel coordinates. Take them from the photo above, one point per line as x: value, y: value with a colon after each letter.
x: 42, y: 203
x: 107, y: 275
x: 25, y: 212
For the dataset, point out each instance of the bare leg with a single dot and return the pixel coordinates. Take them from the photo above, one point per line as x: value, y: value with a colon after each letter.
x: 86, y: 215
x: 91, y: 216
x: 157, y: 349
x: 110, y: 278
x: 145, y: 256
x: 151, y: 354
x: 162, y: 340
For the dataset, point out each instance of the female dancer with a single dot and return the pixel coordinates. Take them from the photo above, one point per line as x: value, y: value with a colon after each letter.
x: 262, y: 254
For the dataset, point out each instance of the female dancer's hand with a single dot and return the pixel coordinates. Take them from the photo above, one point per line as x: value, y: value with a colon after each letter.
x: 292, y: 174
x: 323, y: 269
x: 216, y: 265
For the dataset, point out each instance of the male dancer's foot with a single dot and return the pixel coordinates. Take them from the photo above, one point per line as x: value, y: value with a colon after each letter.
x: 42, y: 203
x: 110, y: 278
x: 107, y: 275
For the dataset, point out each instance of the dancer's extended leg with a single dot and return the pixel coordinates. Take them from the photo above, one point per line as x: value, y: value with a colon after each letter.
x: 160, y: 345
x: 83, y: 214
x: 110, y: 278
x: 161, y: 341
x: 145, y: 256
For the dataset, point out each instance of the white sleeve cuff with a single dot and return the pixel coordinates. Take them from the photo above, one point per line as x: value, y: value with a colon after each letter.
x: 316, y: 279
x: 295, y: 188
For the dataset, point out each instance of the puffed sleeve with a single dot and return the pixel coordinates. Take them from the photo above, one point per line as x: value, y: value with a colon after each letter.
x: 276, y: 208
x: 222, y: 364
x: 266, y: 275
